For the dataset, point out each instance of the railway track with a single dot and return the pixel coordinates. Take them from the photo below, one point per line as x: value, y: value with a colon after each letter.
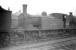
x: 63, y: 44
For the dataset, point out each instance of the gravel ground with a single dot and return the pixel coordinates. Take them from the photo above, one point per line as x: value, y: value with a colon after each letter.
x: 63, y: 44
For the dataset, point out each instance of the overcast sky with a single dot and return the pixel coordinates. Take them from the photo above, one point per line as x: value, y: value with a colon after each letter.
x: 37, y: 6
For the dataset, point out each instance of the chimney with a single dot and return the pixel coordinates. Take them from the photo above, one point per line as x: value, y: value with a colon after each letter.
x: 24, y: 9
